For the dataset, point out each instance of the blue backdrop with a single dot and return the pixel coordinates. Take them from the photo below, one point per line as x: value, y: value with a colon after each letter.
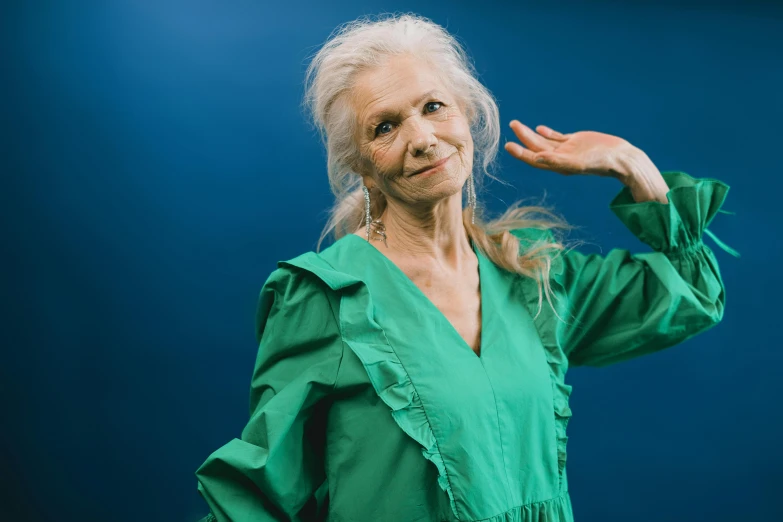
x: 156, y: 165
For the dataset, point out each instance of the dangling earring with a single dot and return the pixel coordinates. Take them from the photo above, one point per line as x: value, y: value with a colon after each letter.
x: 472, y: 199
x: 367, y: 217
x: 378, y: 227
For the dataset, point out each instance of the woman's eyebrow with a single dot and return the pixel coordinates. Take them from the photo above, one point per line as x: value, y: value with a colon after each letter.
x: 386, y: 113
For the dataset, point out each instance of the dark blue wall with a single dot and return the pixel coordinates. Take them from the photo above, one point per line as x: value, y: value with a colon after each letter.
x: 156, y: 166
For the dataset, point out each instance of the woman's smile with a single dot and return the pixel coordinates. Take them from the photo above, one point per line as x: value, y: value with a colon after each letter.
x: 440, y: 165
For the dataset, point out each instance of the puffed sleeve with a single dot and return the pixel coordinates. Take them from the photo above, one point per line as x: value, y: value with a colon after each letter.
x: 625, y: 305
x: 275, y: 470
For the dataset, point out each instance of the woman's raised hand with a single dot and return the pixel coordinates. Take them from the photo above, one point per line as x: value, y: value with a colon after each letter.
x: 584, y: 152
x: 589, y: 152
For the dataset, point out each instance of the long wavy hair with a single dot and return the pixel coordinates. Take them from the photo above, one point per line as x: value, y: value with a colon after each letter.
x: 365, y: 43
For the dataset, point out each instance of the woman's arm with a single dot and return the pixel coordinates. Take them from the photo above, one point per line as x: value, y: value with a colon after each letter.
x: 624, y: 305
x: 275, y: 470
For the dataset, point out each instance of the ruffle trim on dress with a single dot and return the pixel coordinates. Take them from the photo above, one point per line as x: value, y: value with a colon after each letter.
x: 557, y: 508
x: 387, y: 375
x: 676, y: 227
x: 545, y: 321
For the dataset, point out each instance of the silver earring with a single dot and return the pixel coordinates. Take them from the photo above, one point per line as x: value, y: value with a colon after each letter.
x: 472, y: 199
x: 367, y: 217
x: 378, y: 227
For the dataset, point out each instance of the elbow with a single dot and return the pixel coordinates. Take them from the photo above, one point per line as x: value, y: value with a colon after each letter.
x: 708, y: 300
x: 720, y: 305
x: 706, y: 315
x: 717, y: 305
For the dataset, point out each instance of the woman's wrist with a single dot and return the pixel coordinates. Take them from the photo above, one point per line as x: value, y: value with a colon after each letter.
x: 636, y: 171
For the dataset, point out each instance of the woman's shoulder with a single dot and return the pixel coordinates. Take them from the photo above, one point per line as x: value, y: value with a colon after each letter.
x: 310, y: 283
x: 329, y: 267
x: 297, y: 291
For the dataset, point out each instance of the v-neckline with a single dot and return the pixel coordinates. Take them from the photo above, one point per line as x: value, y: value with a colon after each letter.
x: 415, y: 289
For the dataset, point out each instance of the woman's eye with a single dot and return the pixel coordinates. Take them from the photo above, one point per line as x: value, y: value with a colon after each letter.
x: 378, y: 131
x: 379, y: 127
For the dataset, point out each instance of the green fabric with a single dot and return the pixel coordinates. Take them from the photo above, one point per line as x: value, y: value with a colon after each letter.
x: 366, y: 404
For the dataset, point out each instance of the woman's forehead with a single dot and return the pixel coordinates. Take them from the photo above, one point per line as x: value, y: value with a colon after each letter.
x: 406, y: 82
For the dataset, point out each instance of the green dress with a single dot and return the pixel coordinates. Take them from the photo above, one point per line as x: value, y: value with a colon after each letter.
x: 366, y: 405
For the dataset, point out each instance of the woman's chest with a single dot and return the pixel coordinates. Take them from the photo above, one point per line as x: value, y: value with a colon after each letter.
x: 510, y: 370
x: 462, y: 310
x: 457, y: 298
x: 487, y: 418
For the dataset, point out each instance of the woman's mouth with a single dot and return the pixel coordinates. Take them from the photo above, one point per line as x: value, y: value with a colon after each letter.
x: 436, y: 167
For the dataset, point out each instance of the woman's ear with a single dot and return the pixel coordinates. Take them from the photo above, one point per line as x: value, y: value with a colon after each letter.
x: 368, y: 182
x: 363, y: 167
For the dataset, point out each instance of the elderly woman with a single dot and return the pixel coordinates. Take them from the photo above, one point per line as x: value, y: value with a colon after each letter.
x: 414, y: 369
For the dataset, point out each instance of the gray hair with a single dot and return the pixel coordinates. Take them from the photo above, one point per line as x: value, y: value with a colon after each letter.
x: 364, y: 44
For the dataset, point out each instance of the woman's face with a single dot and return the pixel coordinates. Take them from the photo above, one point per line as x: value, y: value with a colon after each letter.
x: 407, y: 120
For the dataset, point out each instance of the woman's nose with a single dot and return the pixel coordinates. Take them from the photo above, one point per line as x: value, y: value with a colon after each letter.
x: 422, y: 139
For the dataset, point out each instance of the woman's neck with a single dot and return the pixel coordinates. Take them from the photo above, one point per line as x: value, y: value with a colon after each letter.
x: 434, y: 234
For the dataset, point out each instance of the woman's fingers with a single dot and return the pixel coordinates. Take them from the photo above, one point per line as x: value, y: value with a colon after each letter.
x: 561, y: 163
x: 519, y: 152
x: 534, y: 159
x: 532, y: 141
x: 552, y: 134
x: 543, y: 149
